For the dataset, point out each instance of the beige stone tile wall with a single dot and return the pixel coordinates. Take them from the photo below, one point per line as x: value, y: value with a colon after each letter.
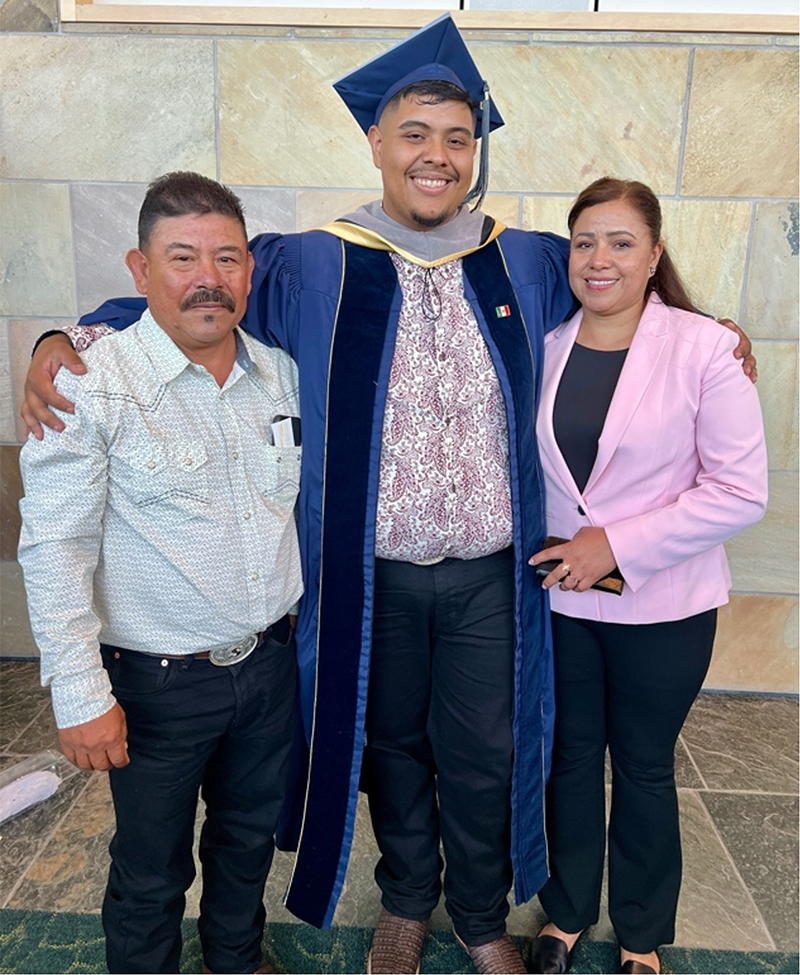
x: 747, y: 625
x: 36, y: 249
x: 315, y: 208
x: 90, y: 114
x: 574, y: 113
x: 778, y: 393
x: 29, y: 15
x: 741, y: 138
x: 708, y: 239
x: 274, y: 130
x: 106, y: 108
x: 771, y: 299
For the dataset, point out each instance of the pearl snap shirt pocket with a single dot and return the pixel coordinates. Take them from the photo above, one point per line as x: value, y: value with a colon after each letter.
x: 282, y: 475
x: 170, y: 478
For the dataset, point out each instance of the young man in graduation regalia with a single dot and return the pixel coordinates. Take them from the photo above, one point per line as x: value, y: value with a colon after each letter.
x: 423, y: 637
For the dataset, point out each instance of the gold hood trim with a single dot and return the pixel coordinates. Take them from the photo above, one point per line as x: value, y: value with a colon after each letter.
x: 354, y: 234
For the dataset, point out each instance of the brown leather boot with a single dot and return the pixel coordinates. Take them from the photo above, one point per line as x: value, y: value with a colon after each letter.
x: 396, y: 945
x: 499, y: 957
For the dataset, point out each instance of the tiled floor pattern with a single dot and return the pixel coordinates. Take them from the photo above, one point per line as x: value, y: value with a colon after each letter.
x: 737, y: 770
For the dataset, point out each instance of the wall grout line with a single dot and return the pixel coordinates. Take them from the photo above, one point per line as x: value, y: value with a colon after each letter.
x: 70, y: 201
x: 687, y: 95
x: 375, y: 188
x: 746, y: 269
x: 217, y: 140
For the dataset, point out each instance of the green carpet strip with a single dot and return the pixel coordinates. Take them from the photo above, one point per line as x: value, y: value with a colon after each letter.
x: 33, y: 942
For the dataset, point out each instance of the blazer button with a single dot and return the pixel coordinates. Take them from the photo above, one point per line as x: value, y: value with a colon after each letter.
x: 581, y: 511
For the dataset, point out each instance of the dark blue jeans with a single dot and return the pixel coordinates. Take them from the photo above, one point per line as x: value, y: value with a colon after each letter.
x: 440, y: 745
x: 195, y: 728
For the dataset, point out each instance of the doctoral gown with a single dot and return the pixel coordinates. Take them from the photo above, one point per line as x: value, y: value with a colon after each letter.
x: 331, y: 299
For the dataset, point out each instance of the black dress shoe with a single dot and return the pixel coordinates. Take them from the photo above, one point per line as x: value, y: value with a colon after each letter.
x: 549, y: 956
x: 631, y: 967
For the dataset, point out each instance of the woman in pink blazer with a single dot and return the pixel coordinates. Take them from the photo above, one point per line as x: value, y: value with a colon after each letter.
x: 653, y: 451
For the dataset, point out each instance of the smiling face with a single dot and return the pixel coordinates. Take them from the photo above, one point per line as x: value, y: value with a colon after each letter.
x: 425, y: 154
x: 611, y: 252
x: 195, y: 271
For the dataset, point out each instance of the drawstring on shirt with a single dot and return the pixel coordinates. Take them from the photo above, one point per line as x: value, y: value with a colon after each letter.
x: 431, y: 299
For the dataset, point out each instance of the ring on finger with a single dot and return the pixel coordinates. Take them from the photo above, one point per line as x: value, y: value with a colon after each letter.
x: 565, y: 566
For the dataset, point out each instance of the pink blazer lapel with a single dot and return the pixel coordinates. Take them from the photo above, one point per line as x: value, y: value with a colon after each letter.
x: 646, y: 350
x: 558, y: 345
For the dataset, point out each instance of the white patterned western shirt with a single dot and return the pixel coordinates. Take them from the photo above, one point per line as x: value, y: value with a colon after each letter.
x: 162, y: 518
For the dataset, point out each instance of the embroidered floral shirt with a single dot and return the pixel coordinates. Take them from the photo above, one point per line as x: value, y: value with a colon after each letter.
x: 444, y: 485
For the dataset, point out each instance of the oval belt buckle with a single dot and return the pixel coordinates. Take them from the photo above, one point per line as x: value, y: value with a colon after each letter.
x: 226, y: 656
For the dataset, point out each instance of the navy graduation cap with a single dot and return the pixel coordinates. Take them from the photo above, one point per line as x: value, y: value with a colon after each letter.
x: 435, y: 52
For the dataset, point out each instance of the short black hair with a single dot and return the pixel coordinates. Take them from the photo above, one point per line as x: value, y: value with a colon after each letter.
x: 434, y: 92
x: 183, y: 194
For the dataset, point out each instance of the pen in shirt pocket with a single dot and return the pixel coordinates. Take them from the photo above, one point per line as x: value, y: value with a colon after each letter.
x: 286, y: 431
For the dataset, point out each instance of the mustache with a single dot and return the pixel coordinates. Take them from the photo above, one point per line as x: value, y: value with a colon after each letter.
x: 204, y: 296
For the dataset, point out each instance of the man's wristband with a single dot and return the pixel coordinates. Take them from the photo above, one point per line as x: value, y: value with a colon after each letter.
x: 46, y: 335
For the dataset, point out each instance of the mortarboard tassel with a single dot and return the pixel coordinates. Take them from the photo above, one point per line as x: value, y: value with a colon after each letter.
x: 478, y: 191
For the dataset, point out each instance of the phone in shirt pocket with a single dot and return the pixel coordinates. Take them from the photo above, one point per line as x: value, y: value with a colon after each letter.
x: 286, y: 431
x: 283, y: 460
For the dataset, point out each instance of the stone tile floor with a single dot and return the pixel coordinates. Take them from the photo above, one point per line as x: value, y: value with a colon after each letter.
x: 737, y: 771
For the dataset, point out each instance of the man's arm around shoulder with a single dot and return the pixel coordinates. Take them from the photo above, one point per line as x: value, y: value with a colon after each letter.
x: 551, y: 254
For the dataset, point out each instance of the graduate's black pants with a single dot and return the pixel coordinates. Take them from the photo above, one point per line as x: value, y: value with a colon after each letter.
x: 224, y: 732
x: 629, y: 688
x: 438, y: 760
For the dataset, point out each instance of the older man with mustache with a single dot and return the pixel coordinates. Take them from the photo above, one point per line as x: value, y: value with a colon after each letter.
x: 161, y: 559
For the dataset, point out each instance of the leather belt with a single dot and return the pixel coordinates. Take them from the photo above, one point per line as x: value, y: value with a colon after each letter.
x: 236, y: 652
x: 230, y: 655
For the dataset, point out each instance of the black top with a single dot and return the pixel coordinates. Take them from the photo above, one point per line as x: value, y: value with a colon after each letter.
x: 584, y: 395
